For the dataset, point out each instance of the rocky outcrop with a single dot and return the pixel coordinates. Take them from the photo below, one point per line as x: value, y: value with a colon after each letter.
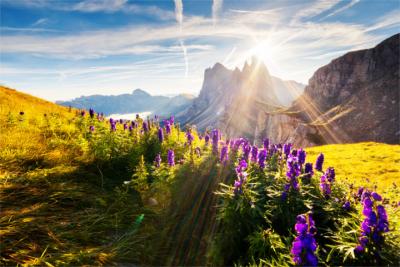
x: 239, y: 102
x: 356, y: 96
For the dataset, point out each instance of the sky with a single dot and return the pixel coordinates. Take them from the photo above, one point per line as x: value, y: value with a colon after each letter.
x: 59, y: 49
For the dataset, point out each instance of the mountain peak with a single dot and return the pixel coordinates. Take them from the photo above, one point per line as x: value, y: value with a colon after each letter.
x: 140, y: 92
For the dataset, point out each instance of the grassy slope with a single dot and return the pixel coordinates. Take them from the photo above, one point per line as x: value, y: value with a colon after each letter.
x: 55, y: 209
x: 363, y: 163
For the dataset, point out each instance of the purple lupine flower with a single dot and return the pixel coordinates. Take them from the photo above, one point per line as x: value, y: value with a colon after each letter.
x: 330, y: 174
x: 157, y: 160
x: 91, y: 128
x: 189, y: 136
x: 130, y: 128
x: 206, y: 139
x: 91, y: 113
x: 83, y: 113
x: 172, y: 119
x: 346, y: 205
x: 325, y: 186
x: 301, y: 156
x: 145, y: 127
x: 304, y: 245
x: 134, y: 124
x: 262, y: 156
x: 293, y: 171
x: 215, y: 140
x: 376, y: 196
x: 286, y: 149
x: 113, y: 126
x: 224, y: 154
x: 160, y: 135
x: 254, y: 154
x: 246, y: 151
x: 308, y: 170
x: 171, y: 157
x: 111, y: 121
x: 375, y: 223
x: 241, y: 177
x: 167, y: 127
x: 125, y: 126
x: 319, y: 162
x: 121, y: 121
x: 266, y: 143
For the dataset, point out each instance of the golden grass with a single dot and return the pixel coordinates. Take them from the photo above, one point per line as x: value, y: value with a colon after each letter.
x: 365, y: 164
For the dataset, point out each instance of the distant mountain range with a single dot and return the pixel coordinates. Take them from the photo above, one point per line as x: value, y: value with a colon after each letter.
x: 141, y: 101
x: 354, y: 98
x: 138, y: 101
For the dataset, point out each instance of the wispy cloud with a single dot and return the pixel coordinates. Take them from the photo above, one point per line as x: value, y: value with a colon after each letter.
x: 215, y: 9
x: 343, y: 8
x: 40, y: 22
x: 99, y: 5
x: 179, y: 11
x: 314, y: 8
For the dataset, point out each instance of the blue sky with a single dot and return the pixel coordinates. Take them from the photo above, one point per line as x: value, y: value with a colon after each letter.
x: 64, y: 49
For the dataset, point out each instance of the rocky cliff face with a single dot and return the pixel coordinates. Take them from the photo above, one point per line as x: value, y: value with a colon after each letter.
x: 356, y: 97
x: 237, y: 101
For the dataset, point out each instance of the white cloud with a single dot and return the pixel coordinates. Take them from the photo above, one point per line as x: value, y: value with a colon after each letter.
x: 216, y: 8
x: 343, y: 8
x: 390, y: 20
x: 314, y: 8
x: 99, y: 5
x: 178, y: 11
x: 39, y: 22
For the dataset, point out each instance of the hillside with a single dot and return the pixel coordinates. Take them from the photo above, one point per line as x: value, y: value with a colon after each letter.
x: 77, y: 189
x: 136, y: 102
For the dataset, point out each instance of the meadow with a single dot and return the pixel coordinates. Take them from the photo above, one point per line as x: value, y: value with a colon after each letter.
x: 80, y: 189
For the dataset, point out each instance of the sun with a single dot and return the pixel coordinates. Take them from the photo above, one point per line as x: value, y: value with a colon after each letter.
x: 263, y: 51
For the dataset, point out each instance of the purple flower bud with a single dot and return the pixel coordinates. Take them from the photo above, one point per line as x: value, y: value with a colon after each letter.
x: 254, y: 154
x: 262, y: 156
x: 301, y: 155
x: 376, y: 196
x: 171, y: 157
x: 319, y: 162
x: 91, y: 113
x: 189, y: 136
x: 145, y: 127
x: 91, y: 128
x: 286, y: 149
x: 160, y: 135
x: 346, y: 205
x: 206, y: 139
x: 224, y: 154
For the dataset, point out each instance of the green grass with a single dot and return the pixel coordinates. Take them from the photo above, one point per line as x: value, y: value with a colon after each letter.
x: 63, y: 201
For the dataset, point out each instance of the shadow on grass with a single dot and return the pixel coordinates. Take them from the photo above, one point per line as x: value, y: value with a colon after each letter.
x: 66, y: 216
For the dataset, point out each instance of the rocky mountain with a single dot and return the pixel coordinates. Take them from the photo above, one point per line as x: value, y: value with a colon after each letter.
x: 138, y: 101
x: 356, y: 96
x: 229, y: 99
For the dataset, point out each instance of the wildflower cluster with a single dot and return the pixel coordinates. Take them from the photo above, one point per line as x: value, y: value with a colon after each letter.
x: 304, y: 245
x: 375, y: 222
